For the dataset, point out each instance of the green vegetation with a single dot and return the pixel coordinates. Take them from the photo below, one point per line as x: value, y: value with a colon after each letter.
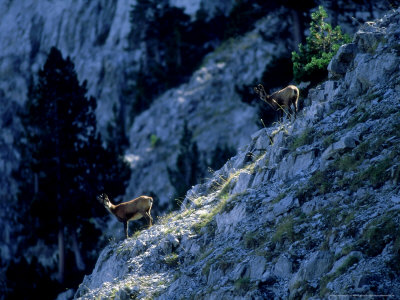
x: 252, y: 240
x: 162, y: 220
x: 380, y: 232
x: 305, y: 138
x: 375, y: 175
x: 329, y: 140
x: 278, y: 198
x: 122, y: 250
x: 233, y: 201
x: 335, y: 216
x: 356, y: 175
x: 222, y: 190
x: 172, y: 260
x: 219, y: 260
x: 319, y: 183
x: 207, y: 218
x: 311, y: 61
x: 394, y: 262
x: 359, y: 116
x: 338, y: 104
x: 243, y: 284
x: 154, y: 140
x: 284, y: 231
x: 350, y: 261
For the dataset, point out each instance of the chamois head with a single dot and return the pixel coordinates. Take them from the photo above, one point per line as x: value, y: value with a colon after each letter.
x: 260, y: 91
x: 103, y: 199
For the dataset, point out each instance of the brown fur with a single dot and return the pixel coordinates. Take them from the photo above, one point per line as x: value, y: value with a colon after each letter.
x: 129, y: 211
x: 280, y: 100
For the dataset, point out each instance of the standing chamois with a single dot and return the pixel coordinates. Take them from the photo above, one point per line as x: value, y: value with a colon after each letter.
x: 282, y: 99
x: 129, y: 211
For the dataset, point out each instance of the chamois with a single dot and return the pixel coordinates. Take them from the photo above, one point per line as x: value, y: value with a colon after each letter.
x: 130, y: 210
x: 280, y: 99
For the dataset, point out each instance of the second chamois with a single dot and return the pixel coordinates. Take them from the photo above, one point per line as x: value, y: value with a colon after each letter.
x: 280, y: 100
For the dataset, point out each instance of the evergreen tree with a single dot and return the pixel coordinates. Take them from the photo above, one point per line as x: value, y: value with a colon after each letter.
x: 172, y: 46
x: 64, y: 164
x: 311, y: 61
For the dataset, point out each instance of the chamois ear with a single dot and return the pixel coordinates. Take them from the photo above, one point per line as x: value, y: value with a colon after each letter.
x: 102, y: 198
x: 259, y: 89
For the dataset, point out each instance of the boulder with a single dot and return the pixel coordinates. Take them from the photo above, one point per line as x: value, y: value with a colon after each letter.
x: 347, y: 142
x: 313, y: 268
x: 283, y: 267
x: 285, y: 205
x: 341, y: 61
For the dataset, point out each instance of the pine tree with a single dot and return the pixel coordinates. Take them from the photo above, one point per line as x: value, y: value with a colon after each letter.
x: 311, y: 61
x: 64, y: 164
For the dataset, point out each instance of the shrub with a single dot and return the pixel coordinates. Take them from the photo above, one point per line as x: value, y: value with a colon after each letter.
x: 305, y: 138
x: 284, y: 231
x: 379, y: 233
x: 172, y: 260
x: 243, y: 284
x: 154, y: 140
x: 312, y: 59
x: 321, y: 182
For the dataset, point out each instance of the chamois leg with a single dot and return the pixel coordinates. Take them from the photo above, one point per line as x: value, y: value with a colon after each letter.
x: 296, y: 109
x: 282, y: 113
x: 290, y: 111
x: 126, y: 229
x: 148, y: 216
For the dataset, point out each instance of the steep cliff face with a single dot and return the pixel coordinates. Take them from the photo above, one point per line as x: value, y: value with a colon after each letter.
x: 210, y: 105
x: 191, y: 7
x: 309, y: 208
x: 94, y: 34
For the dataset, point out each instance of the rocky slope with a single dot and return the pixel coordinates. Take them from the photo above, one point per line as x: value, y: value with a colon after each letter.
x: 310, y: 208
x: 208, y: 103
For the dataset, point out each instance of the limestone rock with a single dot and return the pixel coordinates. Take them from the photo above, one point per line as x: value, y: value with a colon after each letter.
x: 283, y: 267
x: 284, y: 205
x: 341, y: 61
x: 313, y: 268
x: 347, y: 142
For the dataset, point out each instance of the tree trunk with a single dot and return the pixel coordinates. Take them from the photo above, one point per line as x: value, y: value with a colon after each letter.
x: 61, y: 253
x: 297, y: 29
x: 178, y: 49
x: 35, y: 183
x: 80, y: 265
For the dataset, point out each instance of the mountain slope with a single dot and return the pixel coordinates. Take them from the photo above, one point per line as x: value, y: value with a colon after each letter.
x: 310, y: 208
x: 208, y: 103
